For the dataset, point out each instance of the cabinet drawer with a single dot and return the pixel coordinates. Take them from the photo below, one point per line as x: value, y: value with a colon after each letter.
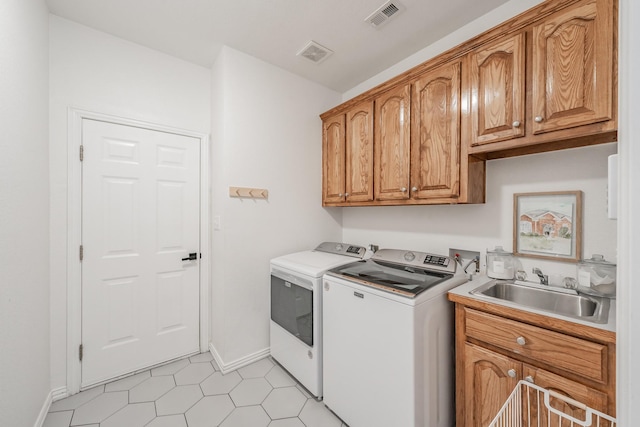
x: 565, y: 352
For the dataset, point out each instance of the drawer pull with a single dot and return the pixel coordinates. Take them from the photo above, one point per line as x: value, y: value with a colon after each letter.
x: 529, y: 378
x: 521, y: 340
x: 511, y: 373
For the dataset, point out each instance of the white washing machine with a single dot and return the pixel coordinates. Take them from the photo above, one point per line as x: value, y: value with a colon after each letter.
x: 296, y: 308
x: 388, y: 336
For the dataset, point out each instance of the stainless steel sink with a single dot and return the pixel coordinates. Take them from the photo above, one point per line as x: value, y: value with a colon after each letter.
x: 589, y: 308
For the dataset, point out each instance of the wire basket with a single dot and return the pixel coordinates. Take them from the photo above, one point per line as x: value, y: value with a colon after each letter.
x: 532, y: 406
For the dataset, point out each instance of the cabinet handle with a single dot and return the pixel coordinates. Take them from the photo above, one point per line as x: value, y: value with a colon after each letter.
x: 538, y: 119
x: 521, y: 340
x: 340, y: 194
x: 529, y: 379
x: 516, y: 124
x: 414, y: 189
x: 346, y: 194
x: 403, y: 189
x: 511, y: 373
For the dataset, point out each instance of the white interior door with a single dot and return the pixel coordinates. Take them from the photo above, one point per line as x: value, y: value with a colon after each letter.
x: 140, y: 218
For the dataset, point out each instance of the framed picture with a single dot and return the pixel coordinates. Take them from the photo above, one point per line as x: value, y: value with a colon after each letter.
x: 548, y: 225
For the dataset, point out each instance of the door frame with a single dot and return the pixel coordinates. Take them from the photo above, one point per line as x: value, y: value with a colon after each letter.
x: 75, y: 117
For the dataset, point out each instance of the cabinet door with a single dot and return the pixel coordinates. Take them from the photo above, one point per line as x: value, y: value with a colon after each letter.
x: 435, y: 136
x: 574, y: 390
x: 573, y: 66
x: 359, y: 153
x: 497, y: 75
x: 392, y: 144
x: 489, y: 380
x: 333, y: 159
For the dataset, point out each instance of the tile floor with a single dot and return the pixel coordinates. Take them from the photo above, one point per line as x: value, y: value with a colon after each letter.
x: 193, y: 393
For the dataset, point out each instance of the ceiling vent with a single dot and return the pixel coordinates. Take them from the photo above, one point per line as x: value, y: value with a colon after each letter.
x: 384, y: 13
x: 315, y: 52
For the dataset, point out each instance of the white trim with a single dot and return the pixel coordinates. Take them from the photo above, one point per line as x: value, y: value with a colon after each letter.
x: 59, y: 393
x: 74, y: 232
x: 44, y: 410
x: 225, y: 368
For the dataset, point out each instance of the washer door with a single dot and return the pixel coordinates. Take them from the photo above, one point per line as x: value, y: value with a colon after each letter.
x: 292, y: 308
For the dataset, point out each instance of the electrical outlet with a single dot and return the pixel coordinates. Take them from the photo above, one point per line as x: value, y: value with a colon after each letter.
x: 465, y: 256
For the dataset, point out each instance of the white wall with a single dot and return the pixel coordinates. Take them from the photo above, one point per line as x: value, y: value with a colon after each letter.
x: 266, y: 133
x: 24, y: 212
x: 628, y: 349
x: 94, y: 71
x: 478, y: 227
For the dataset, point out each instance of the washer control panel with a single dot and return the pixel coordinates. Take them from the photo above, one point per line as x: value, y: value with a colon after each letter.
x: 342, y: 249
x: 423, y: 260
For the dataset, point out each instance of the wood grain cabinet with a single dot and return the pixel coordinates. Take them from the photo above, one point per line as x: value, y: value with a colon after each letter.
x: 494, y: 352
x: 435, y: 134
x: 417, y: 138
x: 333, y: 159
x: 544, y: 80
x: 564, y: 98
x: 348, y: 156
x: 392, y: 143
x: 497, y: 85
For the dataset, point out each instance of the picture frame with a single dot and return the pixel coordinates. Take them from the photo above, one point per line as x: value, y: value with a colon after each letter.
x: 548, y: 225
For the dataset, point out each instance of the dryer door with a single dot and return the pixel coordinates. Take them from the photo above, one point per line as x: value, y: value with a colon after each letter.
x: 292, y: 307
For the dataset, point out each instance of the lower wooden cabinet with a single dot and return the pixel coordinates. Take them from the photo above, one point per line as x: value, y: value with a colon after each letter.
x: 494, y: 350
x: 489, y: 380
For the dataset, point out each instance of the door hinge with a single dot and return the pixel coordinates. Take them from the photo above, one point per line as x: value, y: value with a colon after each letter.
x: 80, y: 352
x: 81, y: 152
x: 81, y: 252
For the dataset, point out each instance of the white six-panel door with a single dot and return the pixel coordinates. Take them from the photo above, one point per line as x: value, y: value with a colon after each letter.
x: 140, y: 218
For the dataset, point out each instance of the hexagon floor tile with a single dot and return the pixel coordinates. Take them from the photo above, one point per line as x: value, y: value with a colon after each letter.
x: 192, y: 392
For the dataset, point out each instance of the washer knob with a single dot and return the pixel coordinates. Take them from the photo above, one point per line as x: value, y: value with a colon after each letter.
x: 338, y: 247
x: 409, y: 256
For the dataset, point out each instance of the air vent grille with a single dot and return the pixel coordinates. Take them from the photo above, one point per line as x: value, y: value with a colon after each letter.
x: 384, y: 13
x: 315, y: 52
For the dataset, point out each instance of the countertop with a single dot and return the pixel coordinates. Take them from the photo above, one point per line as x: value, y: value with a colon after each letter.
x: 461, y: 294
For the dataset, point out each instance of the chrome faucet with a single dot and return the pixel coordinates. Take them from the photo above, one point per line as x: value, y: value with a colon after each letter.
x: 544, y: 279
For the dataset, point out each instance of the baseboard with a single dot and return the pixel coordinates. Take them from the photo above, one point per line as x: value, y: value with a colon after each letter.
x: 44, y: 410
x: 225, y: 368
x: 59, y: 393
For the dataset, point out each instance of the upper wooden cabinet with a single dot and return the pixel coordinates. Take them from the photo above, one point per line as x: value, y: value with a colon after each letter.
x: 497, y: 77
x: 347, y: 152
x: 392, y: 132
x: 573, y: 67
x: 435, y: 133
x: 564, y: 98
x: 333, y: 159
x: 544, y: 80
x: 359, y: 153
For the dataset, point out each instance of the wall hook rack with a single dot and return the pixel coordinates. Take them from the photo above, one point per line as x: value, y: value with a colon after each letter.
x: 249, y: 193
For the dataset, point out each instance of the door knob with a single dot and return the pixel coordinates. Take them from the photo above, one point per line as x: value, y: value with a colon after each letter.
x: 192, y: 257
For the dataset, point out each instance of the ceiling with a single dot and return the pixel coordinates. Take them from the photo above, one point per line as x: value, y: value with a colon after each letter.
x: 275, y: 30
